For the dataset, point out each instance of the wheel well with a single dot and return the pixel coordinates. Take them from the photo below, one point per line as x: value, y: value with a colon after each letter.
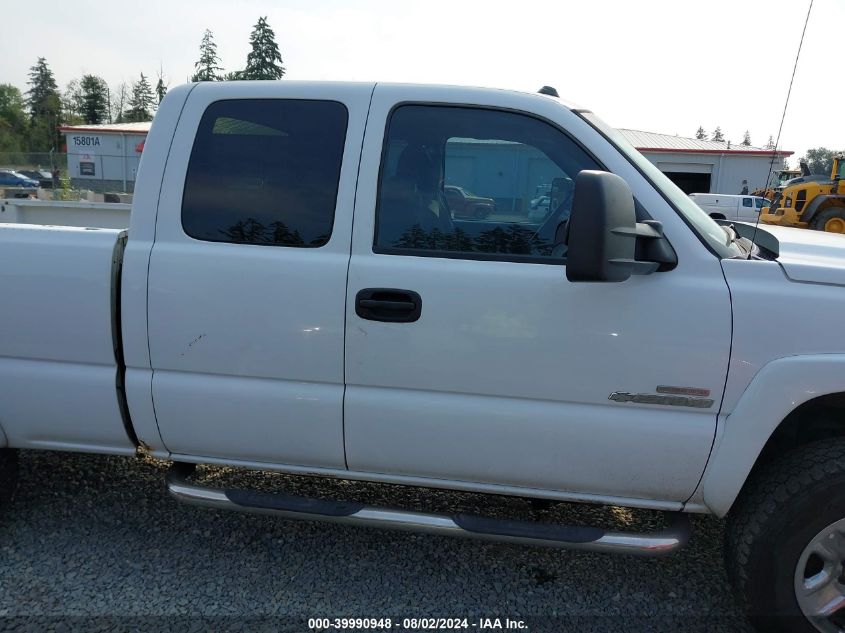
x: 816, y: 419
x: 717, y: 216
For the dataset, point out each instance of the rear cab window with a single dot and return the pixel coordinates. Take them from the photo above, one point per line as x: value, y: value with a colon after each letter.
x: 266, y: 172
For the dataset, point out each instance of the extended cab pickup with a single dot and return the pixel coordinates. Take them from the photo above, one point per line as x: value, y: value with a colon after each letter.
x: 293, y: 294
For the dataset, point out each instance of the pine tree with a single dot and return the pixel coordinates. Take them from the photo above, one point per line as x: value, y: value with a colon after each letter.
x: 45, y: 107
x: 264, y: 60
x: 207, y: 68
x: 770, y: 144
x: 717, y: 135
x: 141, y: 102
x: 746, y: 139
x: 701, y: 135
x: 95, y: 100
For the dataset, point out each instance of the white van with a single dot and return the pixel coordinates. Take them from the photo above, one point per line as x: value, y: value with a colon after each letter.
x: 728, y: 207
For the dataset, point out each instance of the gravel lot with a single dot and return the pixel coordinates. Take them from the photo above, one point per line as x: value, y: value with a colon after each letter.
x: 95, y: 543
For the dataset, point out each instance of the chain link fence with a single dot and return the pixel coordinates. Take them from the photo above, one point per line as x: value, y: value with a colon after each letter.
x: 72, y: 176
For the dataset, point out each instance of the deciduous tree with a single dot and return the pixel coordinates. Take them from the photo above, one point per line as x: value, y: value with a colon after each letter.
x: 819, y: 160
x: 13, y: 119
x: 119, y: 100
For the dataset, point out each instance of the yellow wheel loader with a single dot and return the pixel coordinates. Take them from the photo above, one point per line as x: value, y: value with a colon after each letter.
x: 814, y: 202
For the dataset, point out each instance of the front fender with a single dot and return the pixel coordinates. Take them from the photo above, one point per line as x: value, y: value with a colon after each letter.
x: 774, y: 392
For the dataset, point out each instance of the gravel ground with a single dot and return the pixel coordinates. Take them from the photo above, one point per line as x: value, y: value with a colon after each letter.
x: 95, y: 543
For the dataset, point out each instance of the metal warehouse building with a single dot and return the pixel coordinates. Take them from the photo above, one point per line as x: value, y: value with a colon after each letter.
x: 106, y: 157
x: 707, y: 166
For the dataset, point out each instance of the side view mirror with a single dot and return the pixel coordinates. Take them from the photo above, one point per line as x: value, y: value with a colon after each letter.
x: 605, y: 242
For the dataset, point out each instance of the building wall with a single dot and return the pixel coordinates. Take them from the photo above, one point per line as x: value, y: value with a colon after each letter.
x: 103, y: 160
x: 510, y: 173
x: 727, y: 171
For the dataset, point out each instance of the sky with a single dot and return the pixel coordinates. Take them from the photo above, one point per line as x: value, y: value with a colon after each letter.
x: 659, y: 66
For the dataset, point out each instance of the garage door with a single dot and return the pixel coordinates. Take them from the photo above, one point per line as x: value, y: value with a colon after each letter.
x: 690, y: 177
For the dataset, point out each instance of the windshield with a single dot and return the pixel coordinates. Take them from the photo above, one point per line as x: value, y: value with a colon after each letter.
x: 710, y: 232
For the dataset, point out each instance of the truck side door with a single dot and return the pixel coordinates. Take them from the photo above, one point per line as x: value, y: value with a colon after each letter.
x: 247, y: 276
x: 471, y: 358
x: 746, y: 212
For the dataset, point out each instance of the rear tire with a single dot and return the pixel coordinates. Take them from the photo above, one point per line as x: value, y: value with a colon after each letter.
x: 8, y: 475
x: 781, y: 516
x: 831, y: 220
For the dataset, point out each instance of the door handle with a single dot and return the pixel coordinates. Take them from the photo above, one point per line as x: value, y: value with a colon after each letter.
x: 388, y: 304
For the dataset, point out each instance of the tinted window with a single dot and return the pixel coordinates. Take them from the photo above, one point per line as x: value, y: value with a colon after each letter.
x: 265, y: 171
x: 474, y: 181
x: 746, y: 202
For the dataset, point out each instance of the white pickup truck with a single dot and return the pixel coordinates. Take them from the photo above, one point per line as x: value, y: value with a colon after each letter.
x: 293, y: 294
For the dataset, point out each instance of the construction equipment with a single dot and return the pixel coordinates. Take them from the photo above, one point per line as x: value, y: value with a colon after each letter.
x: 778, y: 179
x: 811, y: 201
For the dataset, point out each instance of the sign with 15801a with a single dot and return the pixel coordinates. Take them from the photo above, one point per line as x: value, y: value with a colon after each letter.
x: 85, y: 141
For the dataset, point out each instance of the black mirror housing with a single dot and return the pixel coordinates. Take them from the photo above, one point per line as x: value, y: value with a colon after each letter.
x: 602, y: 229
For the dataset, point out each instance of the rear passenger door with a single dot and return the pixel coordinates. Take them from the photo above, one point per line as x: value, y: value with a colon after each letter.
x: 247, y: 275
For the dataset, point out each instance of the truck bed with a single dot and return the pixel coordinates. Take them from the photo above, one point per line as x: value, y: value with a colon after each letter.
x: 65, y: 213
x: 58, y: 340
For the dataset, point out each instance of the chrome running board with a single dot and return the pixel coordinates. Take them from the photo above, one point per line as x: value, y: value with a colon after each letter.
x: 467, y: 525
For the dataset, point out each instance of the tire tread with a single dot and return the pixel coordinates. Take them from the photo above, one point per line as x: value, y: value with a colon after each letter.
x: 768, y: 492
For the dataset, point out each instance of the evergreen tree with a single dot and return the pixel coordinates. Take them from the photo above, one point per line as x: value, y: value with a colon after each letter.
x: 95, y: 100
x: 264, y: 60
x: 207, y: 68
x: 45, y: 107
x: 717, y: 135
x: 770, y: 144
x: 235, y: 75
x: 141, y: 102
x: 701, y: 135
x: 746, y: 139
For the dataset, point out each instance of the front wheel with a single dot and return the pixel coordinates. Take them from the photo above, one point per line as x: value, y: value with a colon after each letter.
x: 785, y: 541
x: 831, y: 220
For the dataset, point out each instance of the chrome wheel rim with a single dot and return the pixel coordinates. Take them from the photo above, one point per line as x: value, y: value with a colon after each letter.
x: 820, y: 581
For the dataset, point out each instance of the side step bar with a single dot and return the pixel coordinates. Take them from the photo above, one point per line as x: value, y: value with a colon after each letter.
x: 353, y: 513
